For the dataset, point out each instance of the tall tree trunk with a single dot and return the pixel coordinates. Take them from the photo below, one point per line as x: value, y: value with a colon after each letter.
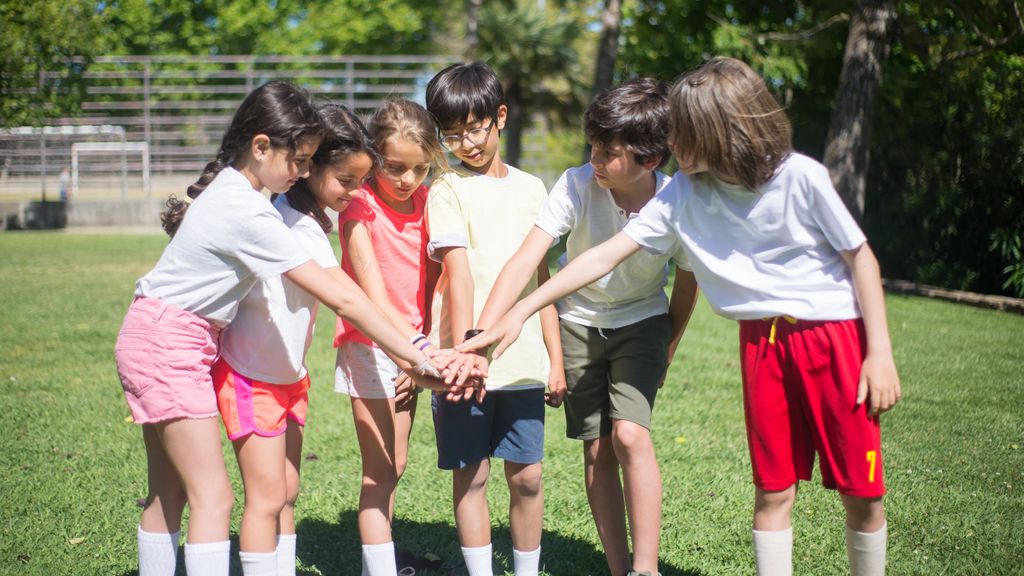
x: 607, y: 51
x: 849, y: 133
x: 608, y: 46
x: 514, y: 123
x: 472, y: 24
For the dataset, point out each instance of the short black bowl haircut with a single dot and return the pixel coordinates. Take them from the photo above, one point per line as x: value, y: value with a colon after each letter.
x: 463, y: 90
x: 636, y: 113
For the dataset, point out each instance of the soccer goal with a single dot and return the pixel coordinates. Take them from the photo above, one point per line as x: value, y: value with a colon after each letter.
x: 107, y: 162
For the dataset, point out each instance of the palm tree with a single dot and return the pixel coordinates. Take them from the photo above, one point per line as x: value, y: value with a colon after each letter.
x: 533, y: 55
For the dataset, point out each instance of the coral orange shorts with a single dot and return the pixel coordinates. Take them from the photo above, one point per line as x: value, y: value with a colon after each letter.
x: 252, y: 407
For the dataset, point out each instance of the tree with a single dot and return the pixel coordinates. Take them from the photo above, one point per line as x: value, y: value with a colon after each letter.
x: 46, y: 47
x: 533, y: 55
x: 849, y: 133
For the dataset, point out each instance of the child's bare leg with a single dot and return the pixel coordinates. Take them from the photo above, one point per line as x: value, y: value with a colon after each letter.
x: 293, y: 460
x: 404, y: 419
x: 193, y: 449
x: 375, y: 429
x: 866, y: 535
x: 469, y: 492
x: 642, y: 488
x: 166, y: 498
x: 772, y: 510
x: 261, y: 461
x: 773, y: 534
x: 526, y: 504
x: 604, y: 493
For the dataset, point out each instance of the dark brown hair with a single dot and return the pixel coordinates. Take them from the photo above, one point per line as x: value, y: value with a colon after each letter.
x: 635, y: 113
x: 277, y: 109
x: 723, y: 114
x: 344, y: 135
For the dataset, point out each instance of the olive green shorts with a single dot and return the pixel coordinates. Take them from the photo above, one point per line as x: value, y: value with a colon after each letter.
x: 612, y: 374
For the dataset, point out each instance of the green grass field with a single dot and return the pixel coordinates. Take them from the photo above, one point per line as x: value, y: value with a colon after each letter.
x: 72, y: 470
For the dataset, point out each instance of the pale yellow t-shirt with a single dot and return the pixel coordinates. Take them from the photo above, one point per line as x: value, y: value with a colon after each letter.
x: 489, y: 217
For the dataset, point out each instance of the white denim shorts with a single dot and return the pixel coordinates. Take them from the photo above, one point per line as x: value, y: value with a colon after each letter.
x: 364, y: 371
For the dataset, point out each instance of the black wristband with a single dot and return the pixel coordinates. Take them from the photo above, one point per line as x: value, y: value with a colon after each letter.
x: 471, y: 333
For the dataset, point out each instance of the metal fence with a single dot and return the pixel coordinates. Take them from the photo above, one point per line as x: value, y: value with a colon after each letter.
x: 179, y: 108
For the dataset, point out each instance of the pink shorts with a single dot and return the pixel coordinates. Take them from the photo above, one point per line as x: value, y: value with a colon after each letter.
x: 164, y: 355
x: 799, y: 398
x: 253, y: 407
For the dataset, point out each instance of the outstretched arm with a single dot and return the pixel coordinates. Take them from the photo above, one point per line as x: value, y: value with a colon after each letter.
x: 583, y: 270
x: 879, y: 382
x: 514, y: 276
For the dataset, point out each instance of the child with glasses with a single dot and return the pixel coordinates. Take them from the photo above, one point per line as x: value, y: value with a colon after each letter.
x: 479, y: 213
x: 620, y: 333
x: 384, y: 248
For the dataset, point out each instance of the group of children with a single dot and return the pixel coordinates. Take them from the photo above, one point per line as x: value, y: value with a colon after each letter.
x: 223, y: 321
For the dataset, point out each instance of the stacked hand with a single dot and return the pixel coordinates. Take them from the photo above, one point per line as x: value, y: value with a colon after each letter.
x: 459, y: 375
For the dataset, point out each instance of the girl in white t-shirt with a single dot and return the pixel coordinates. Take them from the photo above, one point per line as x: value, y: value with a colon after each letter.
x: 772, y: 246
x: 261, y: 379
x: 384, y: 247
x: 229, y: 239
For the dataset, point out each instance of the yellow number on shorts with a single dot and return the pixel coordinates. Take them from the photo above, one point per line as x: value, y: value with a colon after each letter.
x: 872, y: 457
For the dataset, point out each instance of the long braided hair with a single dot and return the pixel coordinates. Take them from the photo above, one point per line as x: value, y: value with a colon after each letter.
x: 280, y: 110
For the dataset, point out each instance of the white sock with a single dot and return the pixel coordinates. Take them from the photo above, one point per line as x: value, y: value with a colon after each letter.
x: 478, y: 560
x: 158, y: 553
x: 258, y: 563
x: 286, y: 554
x: 773, y: 552
x: 526, y: 563
x: 379, y: 559
x: 867, y: 551
x: 208, y: 558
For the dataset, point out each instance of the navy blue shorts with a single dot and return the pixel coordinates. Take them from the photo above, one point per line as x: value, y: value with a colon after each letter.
x: 507, y: 424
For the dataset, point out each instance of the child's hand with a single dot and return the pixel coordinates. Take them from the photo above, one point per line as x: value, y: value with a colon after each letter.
x: 473, y: 388
x: 556, y: 388
x: 504, y: 332
x: 879, y: 383
x: 405, y: 388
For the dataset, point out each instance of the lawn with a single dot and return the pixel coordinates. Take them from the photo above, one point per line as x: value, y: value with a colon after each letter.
x: 72, y: 469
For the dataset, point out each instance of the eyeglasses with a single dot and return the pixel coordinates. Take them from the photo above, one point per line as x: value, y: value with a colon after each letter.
x: 476, y: 136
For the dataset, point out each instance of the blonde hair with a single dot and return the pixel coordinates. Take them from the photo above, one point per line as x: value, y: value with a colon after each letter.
x: 407, y: 119
x: 723, y: 114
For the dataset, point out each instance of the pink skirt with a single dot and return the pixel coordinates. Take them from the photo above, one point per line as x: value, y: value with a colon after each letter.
x: 164, y: 355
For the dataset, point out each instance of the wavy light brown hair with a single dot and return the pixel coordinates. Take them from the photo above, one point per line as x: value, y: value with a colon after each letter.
x: 406, y: 119
x: 723, y: 114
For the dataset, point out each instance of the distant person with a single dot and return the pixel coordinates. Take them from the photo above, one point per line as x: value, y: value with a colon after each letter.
x: 228, y: 240
x: 772, y: 246
x: 620, y: 333
x: 64, y: 184
x: 261, y: 379
x: 384, y: 249
x: 479, y: 213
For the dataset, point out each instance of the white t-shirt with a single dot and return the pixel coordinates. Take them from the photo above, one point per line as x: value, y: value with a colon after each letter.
x: 490, y: 217
x: 271, y: 332
x: 635, y: 289
x: 231, y: 237
x: 759, y: 254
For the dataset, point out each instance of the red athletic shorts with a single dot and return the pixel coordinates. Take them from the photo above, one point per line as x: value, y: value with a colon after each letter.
x: 799, y: 392
x: 253, y: 407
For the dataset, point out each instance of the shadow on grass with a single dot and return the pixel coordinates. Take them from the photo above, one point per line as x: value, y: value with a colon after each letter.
x: 334, y: 549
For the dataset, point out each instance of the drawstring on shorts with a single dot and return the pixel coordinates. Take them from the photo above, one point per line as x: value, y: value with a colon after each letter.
x: 775, y: 320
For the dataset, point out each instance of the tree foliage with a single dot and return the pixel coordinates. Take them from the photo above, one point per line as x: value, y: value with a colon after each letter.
x: 945, y: 191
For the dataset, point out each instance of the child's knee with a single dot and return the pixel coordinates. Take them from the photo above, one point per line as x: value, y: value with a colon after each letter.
x: 380, y: 478
x: 526, y: 481
x: 631, y: 441
x: 864, y: 514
